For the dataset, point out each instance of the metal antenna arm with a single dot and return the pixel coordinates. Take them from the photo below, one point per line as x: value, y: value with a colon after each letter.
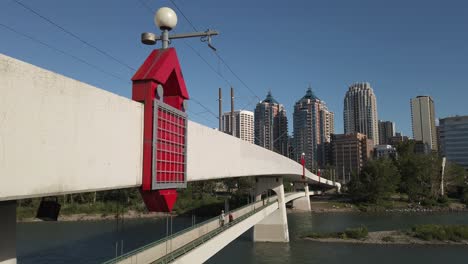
x: 149, y: 38
x: 207, y: 33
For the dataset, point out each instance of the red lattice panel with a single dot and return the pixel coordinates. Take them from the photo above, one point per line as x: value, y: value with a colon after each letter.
x: 170, y: 151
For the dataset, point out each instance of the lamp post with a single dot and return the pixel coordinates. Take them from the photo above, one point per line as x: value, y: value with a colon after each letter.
x: 303, y: 165
x: 166, y: 19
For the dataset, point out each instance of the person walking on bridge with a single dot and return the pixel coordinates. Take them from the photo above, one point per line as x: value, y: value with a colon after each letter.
x: 231, y: 218
x: 221, y: 218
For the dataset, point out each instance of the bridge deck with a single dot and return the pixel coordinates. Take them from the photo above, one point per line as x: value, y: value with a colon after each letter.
x: 175, y: 246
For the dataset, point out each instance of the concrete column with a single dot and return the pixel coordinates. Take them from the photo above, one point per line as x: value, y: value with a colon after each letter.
x: 274, y: 228
x: 8, y: 232
x: 303, y: 203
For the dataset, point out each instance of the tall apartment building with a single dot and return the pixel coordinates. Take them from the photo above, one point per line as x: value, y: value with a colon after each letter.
x: 350, y: 154
x: 243, y: 124
x: 360, y: 111
x: 454, y: 139
x: 313, y: 125
x: 386, y: 132
x: 271, y: 125
x: 423, y: 121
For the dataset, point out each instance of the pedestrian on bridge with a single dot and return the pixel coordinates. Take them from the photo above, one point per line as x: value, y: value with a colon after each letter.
x: 221, y: 218
x: 231, y: 217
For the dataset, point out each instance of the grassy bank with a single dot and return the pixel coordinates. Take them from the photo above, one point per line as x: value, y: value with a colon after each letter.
x: 440, y: 232
x: 397, y: 203
x: 349, y: 233
x: 419, y: 234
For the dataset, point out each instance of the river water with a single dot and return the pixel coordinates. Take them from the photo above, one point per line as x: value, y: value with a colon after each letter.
x: 95, y: 242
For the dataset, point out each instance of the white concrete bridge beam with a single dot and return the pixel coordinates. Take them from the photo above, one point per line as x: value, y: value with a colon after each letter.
x: 273, y: 228
x: 8, y: 232
x: 303, y: 203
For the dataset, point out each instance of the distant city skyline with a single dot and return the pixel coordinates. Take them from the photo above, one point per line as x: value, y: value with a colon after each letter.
x: 423, y: 52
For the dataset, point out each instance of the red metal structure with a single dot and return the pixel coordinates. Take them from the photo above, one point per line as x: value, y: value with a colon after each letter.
x: 165, y: 128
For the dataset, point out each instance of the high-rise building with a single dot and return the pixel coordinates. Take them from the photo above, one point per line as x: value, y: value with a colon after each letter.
x: 454, y: 139
x: 350, y: 154
x: 423, y: 121
x: 313, y: 125
x: 360, y: 111
x: 397, y: 139
x: 243, y: 125
x: 386, y: 132
x: 271, y: 125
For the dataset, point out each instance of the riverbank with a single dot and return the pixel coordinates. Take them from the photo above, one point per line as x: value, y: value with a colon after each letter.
x: 131, y: 214
x: 418, y: 234
x: 328, y: 204
x: 388, y: 237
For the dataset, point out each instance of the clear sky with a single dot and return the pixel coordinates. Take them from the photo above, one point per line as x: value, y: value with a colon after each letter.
x: 403, y: 48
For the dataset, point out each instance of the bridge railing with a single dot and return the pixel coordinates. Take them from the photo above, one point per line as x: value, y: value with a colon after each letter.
x: 201, y: 240
x: 178, y: 243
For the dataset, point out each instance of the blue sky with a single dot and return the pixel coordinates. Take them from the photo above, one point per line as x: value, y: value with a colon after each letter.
x: 403, y: 48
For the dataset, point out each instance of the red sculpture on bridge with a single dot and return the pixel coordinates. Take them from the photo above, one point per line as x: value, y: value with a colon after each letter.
x: 160, y: 86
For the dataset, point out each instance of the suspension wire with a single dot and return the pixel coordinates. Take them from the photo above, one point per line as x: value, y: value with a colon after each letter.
x: 73, y: 35
x: 216, y: 53
x: 207, y: 63
x: 182, y: 13
x: 201, y: 116
x: 122, y: 225
x: 251, y: 101
x: 167, y: 230
x: 171, y: 232
x: 147, y: 7
x: 204, y: 107
x: 64, y: 53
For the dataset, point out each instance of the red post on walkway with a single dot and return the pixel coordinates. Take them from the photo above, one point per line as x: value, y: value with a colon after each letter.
x: 303, y: 165
x: 160, y: 86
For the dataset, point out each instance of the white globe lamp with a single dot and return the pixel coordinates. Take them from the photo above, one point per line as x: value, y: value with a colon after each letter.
x: 165, y: 18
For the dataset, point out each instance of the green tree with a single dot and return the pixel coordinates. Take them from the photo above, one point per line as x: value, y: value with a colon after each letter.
x: 377, y: 181
x: 454, y: 179
x: 416, y: 176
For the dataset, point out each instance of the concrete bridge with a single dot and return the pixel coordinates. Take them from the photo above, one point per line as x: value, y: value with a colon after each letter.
x: 61, y: 136
x: 200, y: 242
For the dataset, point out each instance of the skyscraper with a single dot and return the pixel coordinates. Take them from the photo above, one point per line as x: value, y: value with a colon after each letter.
x: 360, y: 111
x: 386, y: 132
x: 454, y: 139
x: 350, y: 153
x: 313, y: 125
x: 423, y: 121
x: 271, y: 125
x: 243, y: 124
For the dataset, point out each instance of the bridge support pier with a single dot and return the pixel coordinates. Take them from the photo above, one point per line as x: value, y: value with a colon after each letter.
x: 8, y: 232
x: 303, y: 203
x: 274, y: 228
